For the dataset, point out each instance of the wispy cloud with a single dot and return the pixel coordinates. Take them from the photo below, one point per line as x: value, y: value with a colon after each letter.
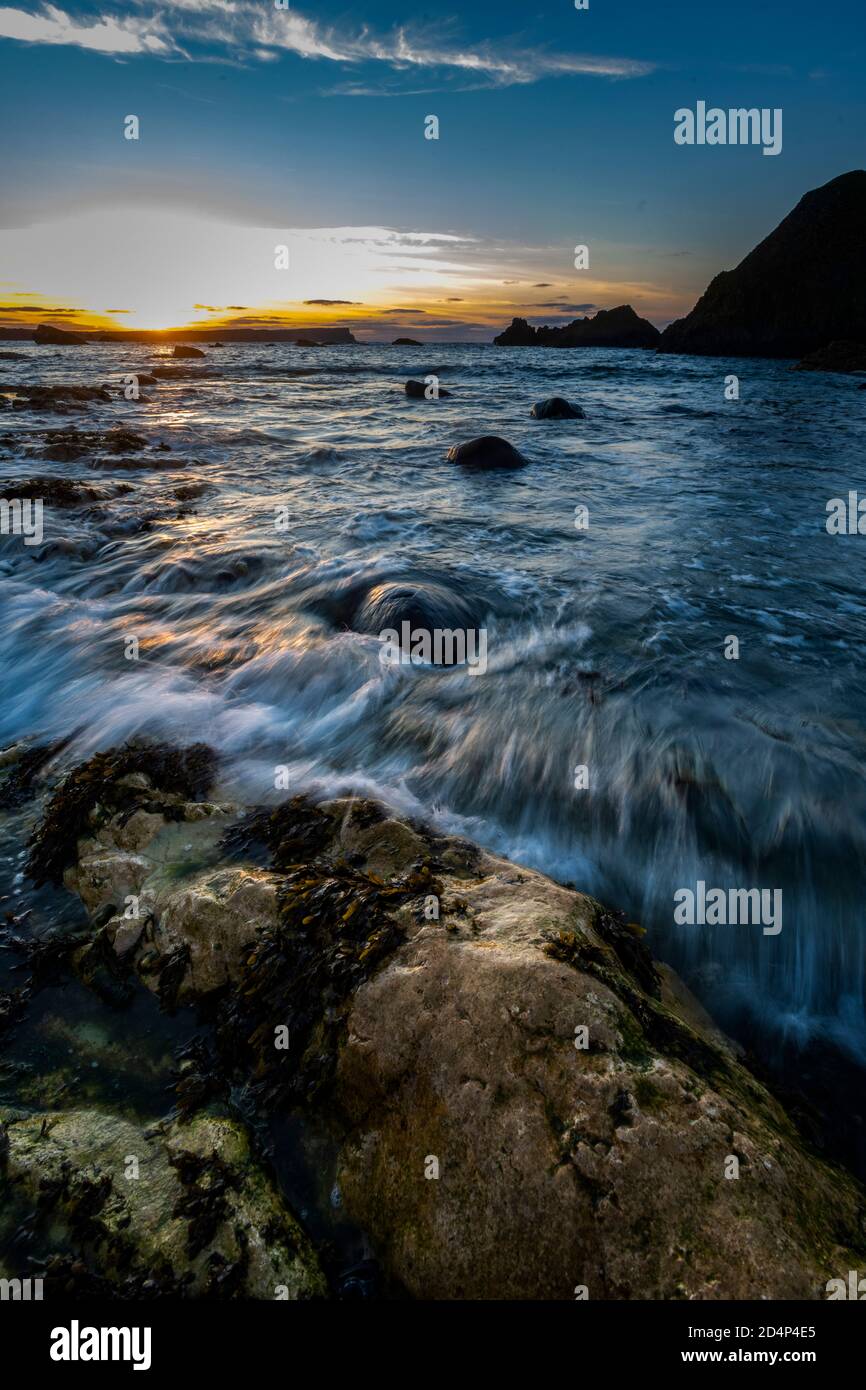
x: 257, y: 33
x: 104, y: 35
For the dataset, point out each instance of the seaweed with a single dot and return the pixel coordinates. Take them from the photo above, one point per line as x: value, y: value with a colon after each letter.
x: 81, y: 1197
x: 624, y: 938
x: 226, y: 1278
x: 99, y: 967
x: 335, y: 926
x: 70, y: 1276
x: 291, y: 834
x: 198, y: 1078
x: 187, y: 772
x: 203, y: 1203
x: 172, y: 970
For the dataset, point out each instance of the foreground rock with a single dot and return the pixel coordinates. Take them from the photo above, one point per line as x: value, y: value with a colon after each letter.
x: 418, y: 391
x: 835, y: 357
x: 434, y: 997
x: 804, y: 286
x: 618, y: 328
x: 53, y: 492
x: 424, y: 604
x: 65, y: 446
x: 557, y: 408
x: 183, y: 1206
x: 488, y: 451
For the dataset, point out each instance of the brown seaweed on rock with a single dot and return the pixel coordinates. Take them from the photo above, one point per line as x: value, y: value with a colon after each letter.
x: 335, y: 927
x: 102, y: 782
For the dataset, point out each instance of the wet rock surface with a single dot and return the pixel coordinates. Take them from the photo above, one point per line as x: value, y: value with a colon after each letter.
x: 836, y: 357
x: 54, y: 398
x: 423, y: 603
x: 182, y: 1208
x: 434, y: 997
x: 489, y: 451
x: 557, y: 408
x: 417, y: 390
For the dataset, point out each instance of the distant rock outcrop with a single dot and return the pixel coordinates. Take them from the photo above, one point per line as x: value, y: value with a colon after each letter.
x: 58, y: 336
x: 181, y: 351
x: 617, y: 328
x: 835, y: 357
x: 803, y: 287
x: 405, y: 342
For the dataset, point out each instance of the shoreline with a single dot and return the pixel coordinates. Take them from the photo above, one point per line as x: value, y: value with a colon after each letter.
x: 375, y: 990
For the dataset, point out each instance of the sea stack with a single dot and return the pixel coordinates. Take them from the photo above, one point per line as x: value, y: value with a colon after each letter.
x: 616, y: 328
x: 802, y: 288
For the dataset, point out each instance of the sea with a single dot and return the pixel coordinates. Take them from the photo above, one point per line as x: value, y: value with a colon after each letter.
x: 674, y: 690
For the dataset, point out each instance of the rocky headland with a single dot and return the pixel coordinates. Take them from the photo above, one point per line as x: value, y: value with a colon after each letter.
x: 802, y: 288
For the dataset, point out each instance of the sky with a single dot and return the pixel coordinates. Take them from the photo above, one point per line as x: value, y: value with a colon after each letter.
x: 263, y: 126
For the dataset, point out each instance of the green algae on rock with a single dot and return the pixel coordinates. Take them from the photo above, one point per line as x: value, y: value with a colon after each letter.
x: 183, y: 1204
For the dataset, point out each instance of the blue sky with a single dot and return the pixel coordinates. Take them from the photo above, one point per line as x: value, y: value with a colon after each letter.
x: 306, y: 126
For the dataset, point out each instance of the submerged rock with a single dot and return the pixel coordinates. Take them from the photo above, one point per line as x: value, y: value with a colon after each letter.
x: 436, y: 998
x: 423, y: 603
x: 54, y: 492
x: 835, y: 357
x: 557, y: 408
x: 487, y: 451
x: 418, y: 390
x: 57, y: 398
x: 64, y: 446
x: 183, y: 1205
